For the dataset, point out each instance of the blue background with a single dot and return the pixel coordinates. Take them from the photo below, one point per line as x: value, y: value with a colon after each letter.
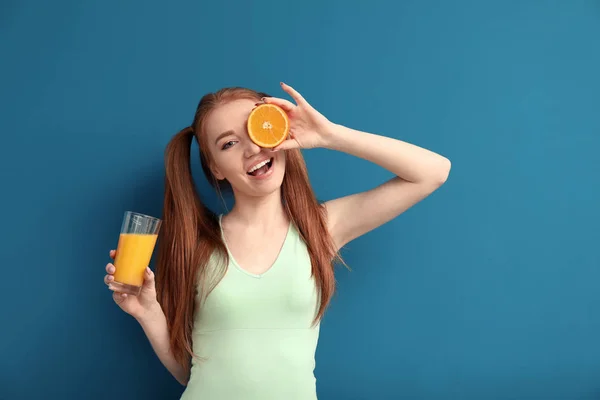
x: 486, y: 290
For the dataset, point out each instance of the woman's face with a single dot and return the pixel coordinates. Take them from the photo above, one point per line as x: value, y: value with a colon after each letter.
x: 235, y: 156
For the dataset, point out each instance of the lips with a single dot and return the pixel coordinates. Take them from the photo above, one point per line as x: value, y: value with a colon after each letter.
x: 261, y: 169
x: 258, y: 165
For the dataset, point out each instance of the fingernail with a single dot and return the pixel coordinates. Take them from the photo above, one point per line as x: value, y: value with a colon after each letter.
x: 110, y: 278
x: 281, y: 83
x: 148, y: 269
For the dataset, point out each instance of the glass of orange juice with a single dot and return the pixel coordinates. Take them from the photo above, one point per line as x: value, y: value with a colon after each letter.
x: 136, y: 244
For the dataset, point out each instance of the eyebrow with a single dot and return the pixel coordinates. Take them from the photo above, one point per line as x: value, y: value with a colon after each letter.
x: 222, y: 135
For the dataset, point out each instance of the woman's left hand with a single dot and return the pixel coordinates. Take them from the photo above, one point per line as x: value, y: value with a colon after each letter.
x: 308, y: 128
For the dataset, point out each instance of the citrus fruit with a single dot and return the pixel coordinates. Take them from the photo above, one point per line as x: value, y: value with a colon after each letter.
x: 268, y: 125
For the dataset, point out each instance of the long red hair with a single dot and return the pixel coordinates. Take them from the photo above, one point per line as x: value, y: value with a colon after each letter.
x: 190, y: 233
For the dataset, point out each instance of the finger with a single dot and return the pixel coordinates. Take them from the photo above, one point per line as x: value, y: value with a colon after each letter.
x: 110, y: 268
x: 287, y: 144
x: 148, y: 278
x: 283, y: 103
x: 112, y: 254
x: 292, y: 92
x: 108, y: 279
x: 119, y: 297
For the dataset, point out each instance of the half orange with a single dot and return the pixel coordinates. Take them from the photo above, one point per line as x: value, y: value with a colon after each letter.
x: 268, y: 125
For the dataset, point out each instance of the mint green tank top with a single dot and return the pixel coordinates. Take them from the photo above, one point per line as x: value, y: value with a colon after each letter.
x: 255, y: 334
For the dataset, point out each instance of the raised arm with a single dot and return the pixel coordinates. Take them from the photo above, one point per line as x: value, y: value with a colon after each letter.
x: 418, y: 171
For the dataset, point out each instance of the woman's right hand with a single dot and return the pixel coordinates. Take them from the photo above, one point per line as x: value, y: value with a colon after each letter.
x: 136, y: 306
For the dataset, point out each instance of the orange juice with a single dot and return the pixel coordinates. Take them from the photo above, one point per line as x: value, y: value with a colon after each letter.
x: 133, y: 256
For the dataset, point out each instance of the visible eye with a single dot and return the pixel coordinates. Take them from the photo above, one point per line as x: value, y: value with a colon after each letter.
x: 228, y: 145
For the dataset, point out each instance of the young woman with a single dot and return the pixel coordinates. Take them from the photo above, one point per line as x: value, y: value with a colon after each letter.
x: 238, y: 298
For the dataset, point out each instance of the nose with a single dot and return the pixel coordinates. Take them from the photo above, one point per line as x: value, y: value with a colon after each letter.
x: 251, y: 149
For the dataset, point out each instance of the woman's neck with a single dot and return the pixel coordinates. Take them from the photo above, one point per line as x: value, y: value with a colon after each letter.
x: 259, y: 211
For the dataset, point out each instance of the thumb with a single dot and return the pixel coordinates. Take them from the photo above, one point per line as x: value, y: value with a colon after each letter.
x: 148, y: 278
x: 287, y: 144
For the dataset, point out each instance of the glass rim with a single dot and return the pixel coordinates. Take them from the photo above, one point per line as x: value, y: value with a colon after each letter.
x: 142, y: 215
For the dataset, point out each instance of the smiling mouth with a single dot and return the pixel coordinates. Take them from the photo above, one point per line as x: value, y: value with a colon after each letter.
x: 263, y: 169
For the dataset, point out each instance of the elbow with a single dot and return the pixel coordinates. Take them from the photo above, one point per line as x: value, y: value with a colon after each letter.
x: 441, y: 172
x: 446, y: 169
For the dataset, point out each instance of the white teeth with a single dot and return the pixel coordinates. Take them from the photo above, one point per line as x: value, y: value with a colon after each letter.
x: 257, y: 166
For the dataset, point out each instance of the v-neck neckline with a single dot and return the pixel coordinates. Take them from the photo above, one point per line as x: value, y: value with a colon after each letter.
x: 239, y: 267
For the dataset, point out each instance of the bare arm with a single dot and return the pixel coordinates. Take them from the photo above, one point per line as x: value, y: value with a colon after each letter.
x: 419, y: 172
x: 154, y: 325
x: 147, y: 311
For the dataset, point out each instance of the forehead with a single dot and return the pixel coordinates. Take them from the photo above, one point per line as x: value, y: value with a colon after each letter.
x: 232, y: 115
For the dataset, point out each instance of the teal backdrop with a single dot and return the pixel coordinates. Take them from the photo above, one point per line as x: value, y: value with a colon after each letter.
x: 486, y: 290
